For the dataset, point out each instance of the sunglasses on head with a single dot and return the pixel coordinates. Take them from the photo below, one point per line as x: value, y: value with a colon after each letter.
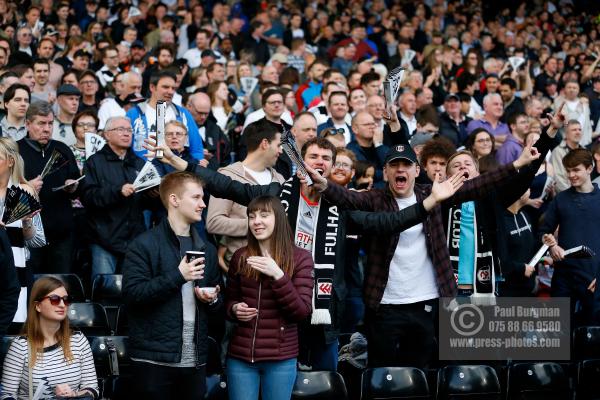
x: 333, y: 131
x: 55, y: 299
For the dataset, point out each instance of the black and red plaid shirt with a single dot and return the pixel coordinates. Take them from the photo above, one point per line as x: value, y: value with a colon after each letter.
x: 381, y: 249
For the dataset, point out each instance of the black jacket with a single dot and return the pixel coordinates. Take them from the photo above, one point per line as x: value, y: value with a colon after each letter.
x: 9, y: 284
x: 152, y: 294
x: 217, y: 143
x: 113, y: 220
x: 57, y: 213
x: 456, y: 133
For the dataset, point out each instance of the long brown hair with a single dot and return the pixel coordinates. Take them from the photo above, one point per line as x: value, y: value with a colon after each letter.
x: 281, y: 247
x: 32, y: 329
x: 212, y: 89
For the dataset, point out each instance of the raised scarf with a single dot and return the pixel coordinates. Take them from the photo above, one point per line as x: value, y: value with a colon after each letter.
x: 323, y: 248
x: 483, y: 273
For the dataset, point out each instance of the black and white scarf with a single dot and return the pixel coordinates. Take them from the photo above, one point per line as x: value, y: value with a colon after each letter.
x: 483, y: 272
x: 323, y: 248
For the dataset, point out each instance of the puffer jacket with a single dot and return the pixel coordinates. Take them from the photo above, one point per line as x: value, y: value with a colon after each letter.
x: 281, y: 304
x: 228, y: 218
x: 152, y: 294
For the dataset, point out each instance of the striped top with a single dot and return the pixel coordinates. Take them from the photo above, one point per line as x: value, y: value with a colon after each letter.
x: 50, y: 369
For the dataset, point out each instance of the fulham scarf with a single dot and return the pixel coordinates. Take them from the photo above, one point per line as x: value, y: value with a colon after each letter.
x: 323, y: 249
x: 483, y: 273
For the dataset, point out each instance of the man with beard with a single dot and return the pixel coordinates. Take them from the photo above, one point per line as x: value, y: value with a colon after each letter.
x: 320, y: 228
x: 165, y: 55
x: 137, y: 62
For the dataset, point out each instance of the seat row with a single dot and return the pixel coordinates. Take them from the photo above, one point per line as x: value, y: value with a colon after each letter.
x: 545, y: 380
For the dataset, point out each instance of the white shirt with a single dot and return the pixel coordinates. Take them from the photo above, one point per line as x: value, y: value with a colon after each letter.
x: 411, y: 122
x: 306, y: 223
x: 260, y: 114
x: 106, y: 76
x: 63, y: 133
x: 475, y: 110
x: 344, y: 126
x: 261, y: 177
x: 109, y: 108
x: 193, y: 57
x: 220, y: 115
x: 411, y: 278
x: 150, y: 113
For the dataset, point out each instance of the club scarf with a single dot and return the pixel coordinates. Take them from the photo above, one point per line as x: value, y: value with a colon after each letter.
x: 484, y: 262
x: 323, y: 248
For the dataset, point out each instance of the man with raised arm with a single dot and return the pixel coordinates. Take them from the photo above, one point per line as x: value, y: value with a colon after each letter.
x: 408, y: 271
x: 319, y: 227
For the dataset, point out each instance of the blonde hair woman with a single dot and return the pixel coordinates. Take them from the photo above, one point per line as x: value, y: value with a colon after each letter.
x: 23, y: 234
x: 48, y: 353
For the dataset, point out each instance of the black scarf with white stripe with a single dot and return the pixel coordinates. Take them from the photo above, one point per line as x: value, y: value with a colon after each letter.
x: 323, y: 248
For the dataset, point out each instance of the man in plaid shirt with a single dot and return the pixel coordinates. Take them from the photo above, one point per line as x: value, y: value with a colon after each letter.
x: 407, y: 272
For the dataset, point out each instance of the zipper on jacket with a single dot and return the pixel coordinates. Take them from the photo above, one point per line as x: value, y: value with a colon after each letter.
x: 257, y: 315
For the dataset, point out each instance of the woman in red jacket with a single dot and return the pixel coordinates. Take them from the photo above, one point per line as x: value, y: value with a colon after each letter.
x: 270, y: 288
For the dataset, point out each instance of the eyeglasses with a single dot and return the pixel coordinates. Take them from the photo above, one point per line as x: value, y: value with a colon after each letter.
x: 342, y: 165
x: 275, y: 103
x: 87, y: 82
x: 122, y: 130
x: 333, y: 131
x: 175, y: 134
x: 86, y: 125
x: 55, y: 299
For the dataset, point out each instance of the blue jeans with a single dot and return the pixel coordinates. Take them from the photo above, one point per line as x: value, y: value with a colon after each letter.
x: 103, y: 261
x: 274, y: 378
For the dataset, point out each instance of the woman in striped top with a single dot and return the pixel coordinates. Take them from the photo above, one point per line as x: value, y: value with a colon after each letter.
x: 62, y: 362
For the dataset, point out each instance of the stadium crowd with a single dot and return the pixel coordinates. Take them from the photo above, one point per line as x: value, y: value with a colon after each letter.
x: 491, y: 150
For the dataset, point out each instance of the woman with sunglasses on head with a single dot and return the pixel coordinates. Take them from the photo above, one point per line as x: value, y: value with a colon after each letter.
x: 335, y: 136
x: 270, y: 289
x: 48, y: 353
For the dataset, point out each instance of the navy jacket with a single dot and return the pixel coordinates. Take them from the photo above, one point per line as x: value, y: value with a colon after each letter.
x: 152, y: 294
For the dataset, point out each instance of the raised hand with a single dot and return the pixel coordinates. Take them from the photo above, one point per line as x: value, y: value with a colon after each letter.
x: 265, y: 265
x: 528, y: 155
x: 446, y: 189
x: 319, y: 182
x: 168, y: 156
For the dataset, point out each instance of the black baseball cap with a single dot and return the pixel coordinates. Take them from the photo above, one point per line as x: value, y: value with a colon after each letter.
x: 452, y: 96
x: 207, y: 53
x: 137, y: 43
x: 403, y: 151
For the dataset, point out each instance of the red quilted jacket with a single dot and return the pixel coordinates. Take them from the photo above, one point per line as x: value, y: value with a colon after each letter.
x: 281, y: 304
